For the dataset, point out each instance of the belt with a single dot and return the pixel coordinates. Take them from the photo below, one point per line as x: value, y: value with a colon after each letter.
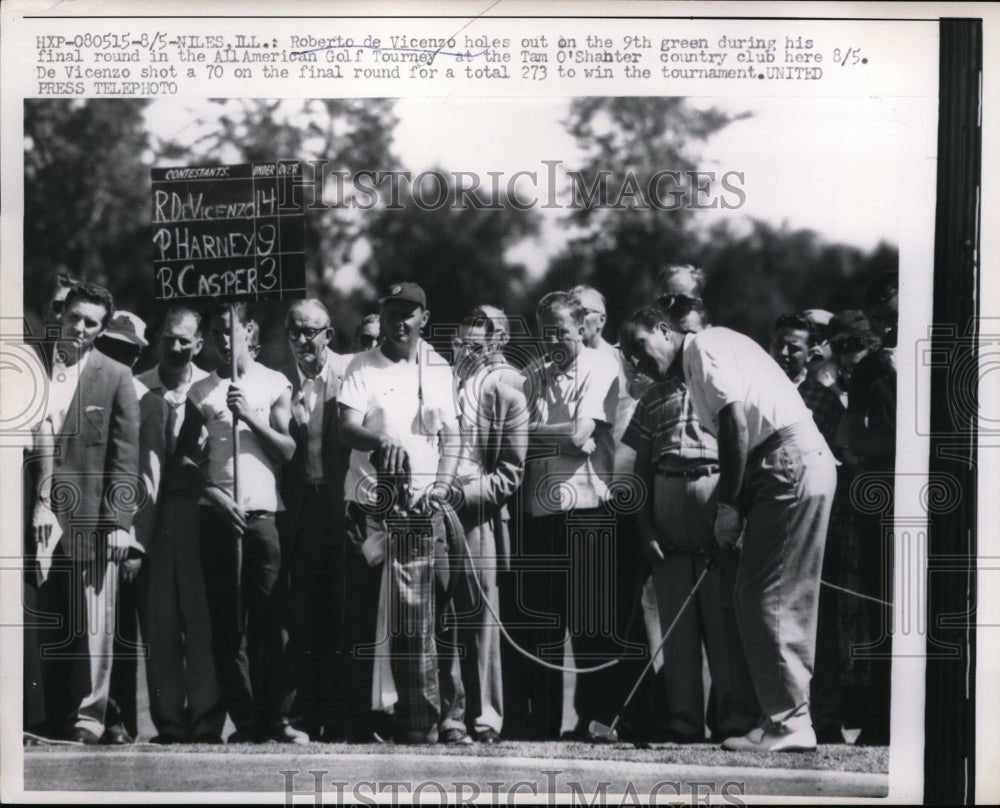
x: 693, y: 473
x: 778, y: 437
x: 256, y: 515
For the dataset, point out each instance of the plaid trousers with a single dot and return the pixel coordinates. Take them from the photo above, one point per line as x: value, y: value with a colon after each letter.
x: 417, y: 598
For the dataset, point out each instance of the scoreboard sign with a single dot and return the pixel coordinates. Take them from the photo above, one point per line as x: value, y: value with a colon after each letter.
x: 228, y: 232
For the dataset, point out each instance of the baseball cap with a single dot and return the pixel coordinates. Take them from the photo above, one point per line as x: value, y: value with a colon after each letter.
x: 410, y: 292
x: 127, y: 327
x: 848, y: 323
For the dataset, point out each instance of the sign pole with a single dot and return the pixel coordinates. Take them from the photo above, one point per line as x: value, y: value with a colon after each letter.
x: 204, y: 205
x: 236, y: 467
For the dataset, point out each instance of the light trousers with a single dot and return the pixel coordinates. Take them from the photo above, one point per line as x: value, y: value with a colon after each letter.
x: 787, y: 495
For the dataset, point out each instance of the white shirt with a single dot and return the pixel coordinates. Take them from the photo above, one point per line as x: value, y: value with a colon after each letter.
x: 624, y: 462
x: 722, y: 366
x: 258, y: 473
x: 388, y: 394
x: 63, y: 382
x: 312, y: 397
x: 586, y: 389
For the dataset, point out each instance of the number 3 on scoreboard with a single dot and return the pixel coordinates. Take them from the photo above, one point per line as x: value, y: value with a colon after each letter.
x: 270, y: 278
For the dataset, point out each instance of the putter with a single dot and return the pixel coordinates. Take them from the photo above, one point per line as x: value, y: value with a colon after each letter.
x: 603, y: 733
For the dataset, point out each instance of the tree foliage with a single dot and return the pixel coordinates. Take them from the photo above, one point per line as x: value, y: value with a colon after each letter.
x: 332, y: 137
x: 86, y: 207
x: 628, y: 235
x: 752, y: 279
x: 87, y: 212
x: 457, y: 251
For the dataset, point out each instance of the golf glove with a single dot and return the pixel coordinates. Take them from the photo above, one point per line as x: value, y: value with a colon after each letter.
x: 728, y: 526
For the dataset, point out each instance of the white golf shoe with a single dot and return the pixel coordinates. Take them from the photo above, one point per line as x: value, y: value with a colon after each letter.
x: 773, y: 738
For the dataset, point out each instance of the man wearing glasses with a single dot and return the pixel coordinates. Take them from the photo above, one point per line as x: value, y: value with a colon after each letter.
x: 367, y: 334
x: 493, y: 418
x: 312, y: 523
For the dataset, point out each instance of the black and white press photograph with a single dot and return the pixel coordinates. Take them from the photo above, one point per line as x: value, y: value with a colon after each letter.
x: 446, y: 447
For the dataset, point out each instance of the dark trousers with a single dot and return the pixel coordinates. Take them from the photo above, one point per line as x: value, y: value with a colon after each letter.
x: 571, y: 576
x: 314, y: 559
x: 361, y: 591
x: 56, y: 638
x: 184, y: 697
x: 248, y: 643
x: 876, y: 581
x: 34, y: 689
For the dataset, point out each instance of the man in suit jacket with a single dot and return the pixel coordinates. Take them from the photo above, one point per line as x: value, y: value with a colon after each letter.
x: 493, y: 421
x: 184, y: 698
x: 86, y: 505
x: 312, y: 529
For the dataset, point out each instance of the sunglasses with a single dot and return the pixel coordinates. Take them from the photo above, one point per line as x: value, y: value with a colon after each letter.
x: 848, y: 344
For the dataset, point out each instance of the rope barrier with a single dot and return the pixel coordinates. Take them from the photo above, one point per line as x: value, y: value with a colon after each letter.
x: 457, y: 529
x: 456, y: 526
x: 856, y: 594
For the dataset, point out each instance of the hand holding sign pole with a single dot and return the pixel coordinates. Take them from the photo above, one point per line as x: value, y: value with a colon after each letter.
x: 236, y: 461
x: 230, y: 233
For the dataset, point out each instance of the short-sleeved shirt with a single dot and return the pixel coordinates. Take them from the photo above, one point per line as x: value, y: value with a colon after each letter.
x: 722, y: 367
x: 258, y: 473
x: 389, y: 395
x: 665, y: 423
x: 624, y: 461
x: 588, y: 388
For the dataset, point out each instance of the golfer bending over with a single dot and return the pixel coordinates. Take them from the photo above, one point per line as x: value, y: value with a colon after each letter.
x: 776, y: 484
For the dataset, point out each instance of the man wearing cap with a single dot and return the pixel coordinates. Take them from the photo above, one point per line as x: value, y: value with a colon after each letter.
x: 123, y: 340
x: 85, y: 506
x: 312, y: 529
x: 777, y: 473
x: 397, y: 413
x: 239, y: 542
x: 184, y: 699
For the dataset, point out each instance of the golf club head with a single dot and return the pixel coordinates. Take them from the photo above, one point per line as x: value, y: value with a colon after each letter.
x: 601, y: 733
